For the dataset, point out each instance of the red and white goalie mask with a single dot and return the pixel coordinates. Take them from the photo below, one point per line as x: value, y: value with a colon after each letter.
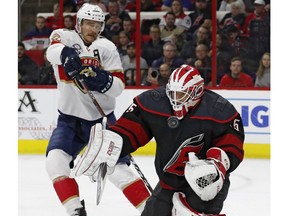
x: 184, y: 89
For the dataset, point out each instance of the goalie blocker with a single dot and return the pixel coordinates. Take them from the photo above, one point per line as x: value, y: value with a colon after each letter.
x: 105, y: 147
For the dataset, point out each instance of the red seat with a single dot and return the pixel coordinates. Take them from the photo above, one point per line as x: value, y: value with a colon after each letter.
x: 36, y: 55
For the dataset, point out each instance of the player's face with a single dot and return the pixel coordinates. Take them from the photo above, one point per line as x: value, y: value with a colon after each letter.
x: 90, y: 30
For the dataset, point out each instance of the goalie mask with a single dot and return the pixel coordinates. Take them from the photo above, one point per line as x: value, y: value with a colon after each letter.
x: 89, y: 12
x: 184, y: 89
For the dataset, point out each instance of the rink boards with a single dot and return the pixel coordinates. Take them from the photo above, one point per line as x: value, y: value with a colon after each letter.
x: 37, y: 116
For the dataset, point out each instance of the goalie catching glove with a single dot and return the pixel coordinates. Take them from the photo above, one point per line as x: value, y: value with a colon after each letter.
x: 104, y: 147
x: 206, y: 177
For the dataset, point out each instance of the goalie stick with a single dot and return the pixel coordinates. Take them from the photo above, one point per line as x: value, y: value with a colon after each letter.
x: 102, y: 172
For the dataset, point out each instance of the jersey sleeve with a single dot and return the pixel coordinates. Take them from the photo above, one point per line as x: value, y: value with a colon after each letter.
x: 111, y: 62
x: 231, y: 141
x: 132, y: 128
x: 57, y: 43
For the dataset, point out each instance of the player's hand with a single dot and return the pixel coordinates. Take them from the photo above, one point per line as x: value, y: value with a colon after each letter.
x: 97, y: 79
x: 71, y: 62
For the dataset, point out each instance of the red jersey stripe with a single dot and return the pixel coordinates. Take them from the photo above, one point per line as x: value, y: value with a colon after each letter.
x: 136, y: 129
x: 125, y: 133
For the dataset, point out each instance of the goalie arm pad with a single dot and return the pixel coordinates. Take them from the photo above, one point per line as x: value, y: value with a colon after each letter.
x: 104, y: 147
x: 206, y: 177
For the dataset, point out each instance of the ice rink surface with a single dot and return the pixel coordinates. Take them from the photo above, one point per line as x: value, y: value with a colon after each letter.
x: 249, y: 192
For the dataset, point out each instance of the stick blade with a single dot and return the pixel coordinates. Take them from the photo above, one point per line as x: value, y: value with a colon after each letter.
x: 101, y: 181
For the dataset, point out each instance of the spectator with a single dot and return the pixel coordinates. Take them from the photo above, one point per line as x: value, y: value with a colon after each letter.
x: 114, y: 21
x: 224, y: 54
x: 236, y: 78
x: 152, y: 49
x: 171, y: 32
x: 27, y: 68
x: 169, y: 57
x: 202, y: 36
x: 263, y: 72
x: 258, y: 14
x: 187, y: 5
x: 236, y: 16
x: 202, y: 62
x: 69, y: 6
x: 257, y: 27
x: 226, y: 5
x: 147, y: 5
x: 124, y: 39
x: 127, y: 6
x: 54, y: 21
x: 250, y: 7
x: 38, y: 37
x: 99, y: 4
x: 69, y: 22
x: 159, y: 77
x: 46, y: 72
x: 201, y: 16
x: 239, y: 42
x: 182, y: 20
x: 129, y: 28
x: 129, y: 65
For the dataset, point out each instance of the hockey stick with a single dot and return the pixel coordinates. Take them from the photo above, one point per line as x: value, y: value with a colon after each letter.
x: 103, y: 168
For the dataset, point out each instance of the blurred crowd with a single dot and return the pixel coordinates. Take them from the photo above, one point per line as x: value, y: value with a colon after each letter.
x: 182, y: 35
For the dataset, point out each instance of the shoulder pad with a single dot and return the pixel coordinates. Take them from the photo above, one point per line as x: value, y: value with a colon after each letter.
x: 214, y: 107
x: 155, y: 101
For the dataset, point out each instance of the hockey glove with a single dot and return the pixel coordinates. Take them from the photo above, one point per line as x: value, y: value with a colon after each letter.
x: 206, y: 177
x: 104, y: 146
x: 97, y: 79
x: 71, y: 62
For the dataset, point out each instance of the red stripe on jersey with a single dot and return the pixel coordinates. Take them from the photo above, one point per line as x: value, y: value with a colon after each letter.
x: 238, y: 153
x: 54, y: 42
x: 62, y: 74
x: 136, y: 129
x: 120, y: 75
x: 214, y: 119
x: 231, y: 143
x: 120, y: 130
x: 166, y: 186
x: 150, y: 111
x: 66, y: 189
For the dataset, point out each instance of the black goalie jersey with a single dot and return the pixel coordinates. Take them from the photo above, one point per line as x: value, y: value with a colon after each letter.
x: 214, y: 122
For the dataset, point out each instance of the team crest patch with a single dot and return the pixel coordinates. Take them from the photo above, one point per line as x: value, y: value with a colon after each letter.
x: 56, y: 37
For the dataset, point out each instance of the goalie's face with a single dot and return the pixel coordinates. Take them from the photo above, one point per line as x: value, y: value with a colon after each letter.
x: 90, y: 30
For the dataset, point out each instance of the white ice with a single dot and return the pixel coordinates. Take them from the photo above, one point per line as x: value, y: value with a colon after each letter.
x: 249, y: 192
